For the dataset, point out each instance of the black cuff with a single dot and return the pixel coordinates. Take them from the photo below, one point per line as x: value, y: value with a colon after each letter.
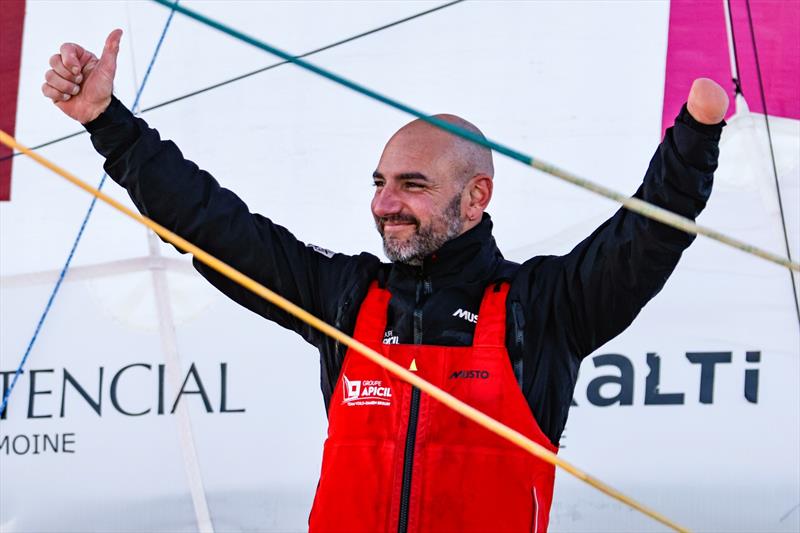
x: 115, y: 112
x: 712, y: 131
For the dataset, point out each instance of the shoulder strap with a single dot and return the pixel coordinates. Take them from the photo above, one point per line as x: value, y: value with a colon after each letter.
x: 491, y: 327
x: 371, y: 321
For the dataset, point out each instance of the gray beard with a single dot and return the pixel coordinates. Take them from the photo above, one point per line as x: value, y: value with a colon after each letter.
x: 425, y: 241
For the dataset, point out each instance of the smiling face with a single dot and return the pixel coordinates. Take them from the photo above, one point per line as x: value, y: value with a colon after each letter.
x: 430, y: 187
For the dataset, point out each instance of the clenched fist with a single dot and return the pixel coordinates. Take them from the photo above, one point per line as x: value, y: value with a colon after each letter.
x: 79, y: 83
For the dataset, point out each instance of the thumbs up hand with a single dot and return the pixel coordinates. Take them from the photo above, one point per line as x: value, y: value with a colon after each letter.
x: 79, y: 83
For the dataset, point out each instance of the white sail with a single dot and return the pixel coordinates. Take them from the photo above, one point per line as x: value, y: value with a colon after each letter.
x: 577, y: 84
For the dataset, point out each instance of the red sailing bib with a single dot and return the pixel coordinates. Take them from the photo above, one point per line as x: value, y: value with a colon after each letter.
x: 451, y: 475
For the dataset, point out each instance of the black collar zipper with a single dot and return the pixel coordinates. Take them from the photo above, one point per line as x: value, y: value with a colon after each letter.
x: 423, y: 289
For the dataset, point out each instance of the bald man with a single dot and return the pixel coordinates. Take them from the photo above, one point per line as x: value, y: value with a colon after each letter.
x: 507, y: 338
x: 414, y: 226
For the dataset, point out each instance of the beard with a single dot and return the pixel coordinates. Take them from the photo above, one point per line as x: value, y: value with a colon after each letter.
x: 426, y: 239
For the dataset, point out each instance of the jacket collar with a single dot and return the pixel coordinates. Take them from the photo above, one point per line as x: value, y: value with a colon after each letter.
x: 470, y: 257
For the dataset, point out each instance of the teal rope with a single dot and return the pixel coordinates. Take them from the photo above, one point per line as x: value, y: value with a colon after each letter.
x: 455, y: 130
x: 633, y: 204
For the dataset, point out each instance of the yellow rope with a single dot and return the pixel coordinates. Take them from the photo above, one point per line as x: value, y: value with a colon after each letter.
x: 450, y: 401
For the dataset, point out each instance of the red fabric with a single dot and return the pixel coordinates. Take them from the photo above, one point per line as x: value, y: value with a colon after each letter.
x: 11, y: 23
x: 698, y: 47
x: 465, y: 479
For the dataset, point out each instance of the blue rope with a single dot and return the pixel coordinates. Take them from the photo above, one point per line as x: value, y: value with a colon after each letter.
x: 65, y: 268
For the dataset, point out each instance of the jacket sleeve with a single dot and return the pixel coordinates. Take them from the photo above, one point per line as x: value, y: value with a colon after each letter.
x: 177, y: 194
x: 603, y: 283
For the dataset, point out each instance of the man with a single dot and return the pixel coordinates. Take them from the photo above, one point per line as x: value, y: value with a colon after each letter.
x: 506, y: 338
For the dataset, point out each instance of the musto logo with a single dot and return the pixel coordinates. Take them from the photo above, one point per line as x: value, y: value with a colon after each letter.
x: 362, y: 392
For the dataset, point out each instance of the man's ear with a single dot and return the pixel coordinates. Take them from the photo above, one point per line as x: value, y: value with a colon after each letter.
x: 479, y: 190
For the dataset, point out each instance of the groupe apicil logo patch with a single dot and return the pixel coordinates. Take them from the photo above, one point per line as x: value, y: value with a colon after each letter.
x: 366, y: 392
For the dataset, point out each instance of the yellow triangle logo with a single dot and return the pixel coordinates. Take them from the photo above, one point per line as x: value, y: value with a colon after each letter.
x: 413, y: 366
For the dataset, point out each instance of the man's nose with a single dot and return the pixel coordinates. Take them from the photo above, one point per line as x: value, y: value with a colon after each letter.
x: 386, y: 202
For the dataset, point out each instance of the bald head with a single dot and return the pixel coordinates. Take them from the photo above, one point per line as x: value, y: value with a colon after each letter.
x: 462, y: 158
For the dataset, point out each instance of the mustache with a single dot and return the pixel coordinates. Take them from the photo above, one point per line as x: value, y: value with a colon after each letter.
x: 399, y: 218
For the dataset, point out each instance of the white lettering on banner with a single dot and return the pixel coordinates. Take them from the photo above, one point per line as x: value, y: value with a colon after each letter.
x: 366, y: 392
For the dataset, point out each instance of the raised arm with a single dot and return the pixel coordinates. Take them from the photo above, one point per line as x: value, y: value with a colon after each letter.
x: 602, y: 284
x: 188, y: 200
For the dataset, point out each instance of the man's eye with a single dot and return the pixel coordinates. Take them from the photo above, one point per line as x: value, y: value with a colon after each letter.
x: 377, y: 184
x: 412, y: 185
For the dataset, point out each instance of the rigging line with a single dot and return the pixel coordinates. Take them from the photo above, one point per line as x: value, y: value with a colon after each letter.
x: 65, y: 268
x: 305, y: 54
x: 737, y: 84
x: 48, y: 143
x: 772, y: 157
x: 435, y: 392
x: 633, y: 204
x: 257, y: 71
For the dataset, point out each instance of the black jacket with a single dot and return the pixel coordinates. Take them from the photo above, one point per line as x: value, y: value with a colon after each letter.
x: 559, y: 308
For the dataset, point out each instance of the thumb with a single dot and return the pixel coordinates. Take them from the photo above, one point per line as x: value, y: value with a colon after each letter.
x: 708, y: 101
x: 108, y: 60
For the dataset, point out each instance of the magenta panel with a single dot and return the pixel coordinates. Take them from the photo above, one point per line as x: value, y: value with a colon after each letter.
x: 698, y: 47
x: 776, y: 26
x: 11, y: 22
